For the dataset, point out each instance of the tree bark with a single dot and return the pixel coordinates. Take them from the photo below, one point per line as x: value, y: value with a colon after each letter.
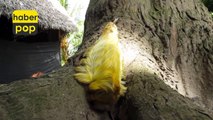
x: 174, y: 37
x: 168, y: 40
x: 162, y: 41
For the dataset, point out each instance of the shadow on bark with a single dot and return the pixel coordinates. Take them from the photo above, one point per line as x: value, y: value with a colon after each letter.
x: 149, y: 98
x: 58, y: 96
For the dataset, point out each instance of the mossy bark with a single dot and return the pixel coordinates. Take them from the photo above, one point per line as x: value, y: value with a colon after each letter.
x: 162, y: 41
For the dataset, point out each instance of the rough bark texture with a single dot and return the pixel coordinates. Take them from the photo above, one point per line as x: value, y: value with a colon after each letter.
x: 163, y: 41
x: 56, y: 96
x: 172, y: 39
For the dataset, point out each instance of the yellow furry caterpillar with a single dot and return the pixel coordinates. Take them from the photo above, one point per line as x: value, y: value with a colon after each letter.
x: 101, y: 70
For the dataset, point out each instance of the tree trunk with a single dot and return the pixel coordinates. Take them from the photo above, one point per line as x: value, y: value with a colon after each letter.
x: 162, y: 41
x: 169, y: 41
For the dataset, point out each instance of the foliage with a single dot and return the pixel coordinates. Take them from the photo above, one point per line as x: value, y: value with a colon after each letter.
x: 73, y: 39
x: 64, y: 3
x: 209, y: 5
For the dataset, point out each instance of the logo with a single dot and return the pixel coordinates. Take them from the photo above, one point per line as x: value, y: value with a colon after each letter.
x: 25, y: 22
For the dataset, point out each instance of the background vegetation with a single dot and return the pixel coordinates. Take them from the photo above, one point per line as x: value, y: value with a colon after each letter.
x: 209, y: 5
x: 77, y: 10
